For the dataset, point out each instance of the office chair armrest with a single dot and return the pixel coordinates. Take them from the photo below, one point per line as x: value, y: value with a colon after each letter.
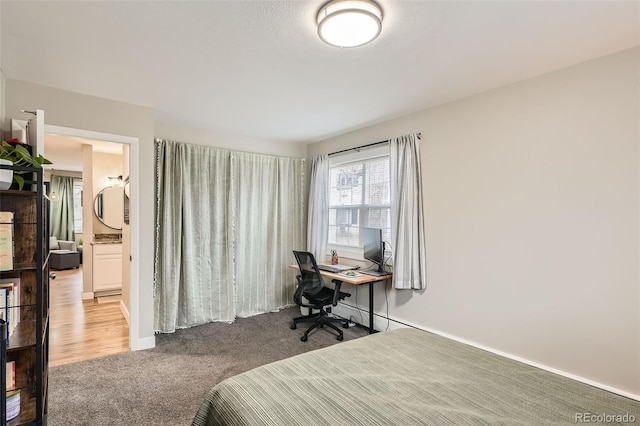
x: 336, y: 292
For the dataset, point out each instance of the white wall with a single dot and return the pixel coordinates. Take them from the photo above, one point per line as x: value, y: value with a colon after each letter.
x: 193, y: 135
x: 532, y: 210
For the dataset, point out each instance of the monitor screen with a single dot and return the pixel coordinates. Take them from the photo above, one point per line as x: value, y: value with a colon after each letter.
x: 373, y: 248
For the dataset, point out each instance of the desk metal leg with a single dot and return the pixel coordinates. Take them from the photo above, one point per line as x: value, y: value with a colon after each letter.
x: 370, y: 284
x: 371, y: 330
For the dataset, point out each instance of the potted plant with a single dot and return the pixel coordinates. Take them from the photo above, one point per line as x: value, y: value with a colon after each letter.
x: 18, y: 155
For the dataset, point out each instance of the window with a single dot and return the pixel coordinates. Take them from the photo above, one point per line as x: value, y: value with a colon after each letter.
x: 359, y: 197
x: 77, y: 206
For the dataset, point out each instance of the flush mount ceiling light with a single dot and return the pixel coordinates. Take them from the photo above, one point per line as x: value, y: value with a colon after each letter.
x: 349, y: 23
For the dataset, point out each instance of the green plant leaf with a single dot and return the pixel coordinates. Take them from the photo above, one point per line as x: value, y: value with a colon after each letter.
x: 20, y: 156
x: 19, y: 180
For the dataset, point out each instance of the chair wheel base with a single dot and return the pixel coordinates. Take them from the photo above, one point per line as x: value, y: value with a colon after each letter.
x: 293, y: 326
x: 304, y: 338
x: 340, y: 338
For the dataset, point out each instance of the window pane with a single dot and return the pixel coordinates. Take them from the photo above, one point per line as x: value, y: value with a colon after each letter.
x: 377, y: 185
x: 344, y: 227
x: 360, y: 196
x: 380, y: 218
x: 346, y: 184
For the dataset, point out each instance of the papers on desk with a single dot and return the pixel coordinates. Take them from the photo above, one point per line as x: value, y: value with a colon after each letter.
x: 351, y: 274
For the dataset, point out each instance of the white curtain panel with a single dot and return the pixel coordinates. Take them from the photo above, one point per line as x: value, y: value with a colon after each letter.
x: 318, y: 222
x: 267, y: 194
x: 407, y: 218
x: 227, y: 223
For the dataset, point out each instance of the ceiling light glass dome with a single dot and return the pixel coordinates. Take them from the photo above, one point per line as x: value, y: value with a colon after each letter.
x: 349, y: 23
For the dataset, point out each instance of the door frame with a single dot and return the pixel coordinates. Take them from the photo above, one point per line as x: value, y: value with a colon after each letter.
x: 135, y: 343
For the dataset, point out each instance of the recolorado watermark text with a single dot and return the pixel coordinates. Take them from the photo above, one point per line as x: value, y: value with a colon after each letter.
x: 604, y: 418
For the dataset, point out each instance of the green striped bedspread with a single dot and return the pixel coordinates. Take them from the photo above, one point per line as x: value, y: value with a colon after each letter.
x: 407, y: 377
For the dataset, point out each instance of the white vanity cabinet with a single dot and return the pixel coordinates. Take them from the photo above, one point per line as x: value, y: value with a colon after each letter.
x: 107, y: 268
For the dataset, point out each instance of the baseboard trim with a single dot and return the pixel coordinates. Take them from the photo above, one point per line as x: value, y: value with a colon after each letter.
x: 382, y: 323
x: 87, y: 295
x: 143, y: 343
x: 125, y: 313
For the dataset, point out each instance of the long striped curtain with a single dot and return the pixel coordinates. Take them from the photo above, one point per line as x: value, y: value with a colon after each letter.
x: 267, y: 194
x: 226, y: 224
x: 61, y: 220
x: 193, y: 267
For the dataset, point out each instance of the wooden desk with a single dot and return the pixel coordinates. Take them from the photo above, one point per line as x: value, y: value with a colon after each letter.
x: 359, y: 279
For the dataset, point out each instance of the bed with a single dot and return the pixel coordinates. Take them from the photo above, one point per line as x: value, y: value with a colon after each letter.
x: 407, y: 377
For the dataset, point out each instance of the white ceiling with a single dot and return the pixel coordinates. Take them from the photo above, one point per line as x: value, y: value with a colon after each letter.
x: 258, y: 69
x: 65, y: 152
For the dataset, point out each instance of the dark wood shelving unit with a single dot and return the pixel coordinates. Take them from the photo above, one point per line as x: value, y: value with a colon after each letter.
x: 28, y: 344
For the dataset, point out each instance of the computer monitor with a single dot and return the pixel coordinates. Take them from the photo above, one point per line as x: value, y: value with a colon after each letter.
x: 373, y: 247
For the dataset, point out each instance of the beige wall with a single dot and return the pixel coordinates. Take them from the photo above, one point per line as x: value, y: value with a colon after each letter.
x: 532, y: 211
x: 104, y: 165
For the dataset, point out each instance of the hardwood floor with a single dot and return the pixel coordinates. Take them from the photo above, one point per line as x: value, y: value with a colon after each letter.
x: 82, y: 329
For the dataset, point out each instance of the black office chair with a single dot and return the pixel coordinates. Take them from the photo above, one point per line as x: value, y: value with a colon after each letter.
x: 311, y: 286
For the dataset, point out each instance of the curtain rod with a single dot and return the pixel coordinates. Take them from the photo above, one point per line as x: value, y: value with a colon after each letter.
x: 357, y: 148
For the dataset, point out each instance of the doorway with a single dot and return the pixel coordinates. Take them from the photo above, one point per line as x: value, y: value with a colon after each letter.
x: 77, y: 284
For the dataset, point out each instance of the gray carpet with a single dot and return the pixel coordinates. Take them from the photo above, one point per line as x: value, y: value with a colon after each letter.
x: 166, y: 384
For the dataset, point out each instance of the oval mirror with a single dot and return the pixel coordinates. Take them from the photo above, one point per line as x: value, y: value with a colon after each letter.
x: 109, y: 206
x: 127, y: 189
